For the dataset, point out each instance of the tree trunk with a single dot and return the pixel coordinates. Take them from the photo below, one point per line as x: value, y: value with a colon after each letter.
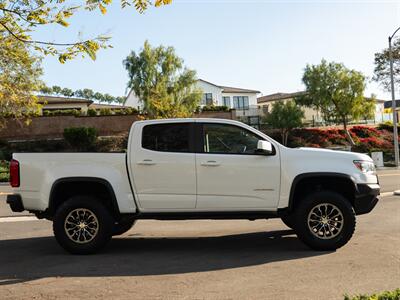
x: 348, y: 135
x: 286, y: 137
x: 283, y: 136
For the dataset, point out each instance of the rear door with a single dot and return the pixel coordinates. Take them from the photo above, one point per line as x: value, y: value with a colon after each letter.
x: 163, y: 166
x: 230, y: 174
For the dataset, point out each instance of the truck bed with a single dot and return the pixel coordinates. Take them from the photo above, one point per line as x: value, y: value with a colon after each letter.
x: 40, y: 171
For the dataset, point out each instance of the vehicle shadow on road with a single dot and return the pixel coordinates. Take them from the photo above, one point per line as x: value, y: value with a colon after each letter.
x: 34, y: 258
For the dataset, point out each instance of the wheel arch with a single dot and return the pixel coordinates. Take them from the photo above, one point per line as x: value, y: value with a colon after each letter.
x: 308, y: 182
x: 64, y: 188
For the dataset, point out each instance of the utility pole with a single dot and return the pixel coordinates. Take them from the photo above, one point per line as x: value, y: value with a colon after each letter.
x: 395, y: 133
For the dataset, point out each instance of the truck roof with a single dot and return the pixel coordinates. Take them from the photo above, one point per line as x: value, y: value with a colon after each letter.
x: 194, y: 120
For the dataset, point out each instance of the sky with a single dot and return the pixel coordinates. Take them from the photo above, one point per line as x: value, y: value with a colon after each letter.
x: 256, y: 44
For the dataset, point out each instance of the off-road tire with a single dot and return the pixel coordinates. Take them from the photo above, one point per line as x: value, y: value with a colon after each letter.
x: 92, y: 206
x: 312, y: 201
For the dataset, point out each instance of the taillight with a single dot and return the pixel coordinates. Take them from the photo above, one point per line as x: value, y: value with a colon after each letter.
x: 14, y: 173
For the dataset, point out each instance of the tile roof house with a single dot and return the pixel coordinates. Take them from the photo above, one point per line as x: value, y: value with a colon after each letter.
x: 50, y: 103
x: 241, y: 99
x: 312, y: 116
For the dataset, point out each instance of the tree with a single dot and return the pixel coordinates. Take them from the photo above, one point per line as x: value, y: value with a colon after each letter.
x: 337, y: 92
x: 19, y: 18
x: 368, y: 107
x: 19, y: 80
x: 162, y: 83
x: 382, y: 66
x: 285, y: 117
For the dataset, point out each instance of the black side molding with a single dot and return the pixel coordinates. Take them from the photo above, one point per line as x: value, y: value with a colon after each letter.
x: 15, y: 203
x: 205, y: 215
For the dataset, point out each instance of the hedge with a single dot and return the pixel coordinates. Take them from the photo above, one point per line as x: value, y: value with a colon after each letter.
x: 81, y: 138
x: 4, y: 171
x: 387, y: 295
x: 212, y: 108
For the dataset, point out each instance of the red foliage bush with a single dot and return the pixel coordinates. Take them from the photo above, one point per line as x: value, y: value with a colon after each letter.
x: 364, y: 131
x: 367, y: 139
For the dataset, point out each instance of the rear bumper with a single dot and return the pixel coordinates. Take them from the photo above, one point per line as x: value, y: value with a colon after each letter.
x: 15, y: 203
x: 366, y: 198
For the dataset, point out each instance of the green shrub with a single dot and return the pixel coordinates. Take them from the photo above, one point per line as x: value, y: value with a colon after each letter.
x: 62, y: 112
x: 131, y: 111
x: 214, y: 108
x: 4, y: 171
x: 91, y: 112
x: 105, y: 112
x: 81, y: 138
x: 4, y: 166
x: 4, y: 177
x: 388, y: 125
x: 118, y: 112
x: 387, y: 295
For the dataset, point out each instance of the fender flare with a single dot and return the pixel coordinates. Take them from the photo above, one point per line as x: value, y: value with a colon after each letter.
x: 302, y: 176
x: 101, y: 181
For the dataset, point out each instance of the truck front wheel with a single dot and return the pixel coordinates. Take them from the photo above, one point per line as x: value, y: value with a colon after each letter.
x: 122, y: 227
x: 325, y: 220
x: 82, y: 225
x: 288, y: 220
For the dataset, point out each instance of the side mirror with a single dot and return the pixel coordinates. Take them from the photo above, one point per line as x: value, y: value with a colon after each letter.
x: 264, y: 147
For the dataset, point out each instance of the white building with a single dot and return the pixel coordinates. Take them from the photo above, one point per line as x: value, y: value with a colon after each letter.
x: 243, y: 100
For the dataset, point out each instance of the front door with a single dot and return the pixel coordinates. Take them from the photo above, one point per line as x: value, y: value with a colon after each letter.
x: 230, y: 174
x: 163, y: 167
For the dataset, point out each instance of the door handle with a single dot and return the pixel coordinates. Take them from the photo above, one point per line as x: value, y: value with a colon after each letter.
x: 147, y: 162
x: 210, y: 163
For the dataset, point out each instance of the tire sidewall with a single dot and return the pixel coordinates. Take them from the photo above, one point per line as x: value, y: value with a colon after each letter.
x: 104, y: 219
x: 305, y: 234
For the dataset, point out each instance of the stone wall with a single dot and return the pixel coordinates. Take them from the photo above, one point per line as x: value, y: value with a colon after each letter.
x: 53, y: 127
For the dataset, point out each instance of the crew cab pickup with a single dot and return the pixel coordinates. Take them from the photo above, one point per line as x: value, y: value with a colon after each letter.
x: 179, y: 169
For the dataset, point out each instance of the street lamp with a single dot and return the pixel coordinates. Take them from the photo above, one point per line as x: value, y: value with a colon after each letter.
x: 395, y: 134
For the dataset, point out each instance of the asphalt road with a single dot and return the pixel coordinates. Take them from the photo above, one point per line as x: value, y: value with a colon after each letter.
x: 204, y: 260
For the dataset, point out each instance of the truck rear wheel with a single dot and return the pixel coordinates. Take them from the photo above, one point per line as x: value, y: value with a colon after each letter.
x: 325, y: 221
x: 82, y: 225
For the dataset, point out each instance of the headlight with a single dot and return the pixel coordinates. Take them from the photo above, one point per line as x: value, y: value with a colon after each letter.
x: 366, y: 167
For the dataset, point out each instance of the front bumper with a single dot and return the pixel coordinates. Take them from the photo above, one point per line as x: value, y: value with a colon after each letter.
x: 15, y: 203
x: 366, y: 198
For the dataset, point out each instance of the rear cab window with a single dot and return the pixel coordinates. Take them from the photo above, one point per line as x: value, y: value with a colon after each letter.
x: 168, y: 137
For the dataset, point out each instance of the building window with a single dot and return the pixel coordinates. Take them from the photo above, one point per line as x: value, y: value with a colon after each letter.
x: 207, y: 99
x: 241, y: 102
x: 226, y: 101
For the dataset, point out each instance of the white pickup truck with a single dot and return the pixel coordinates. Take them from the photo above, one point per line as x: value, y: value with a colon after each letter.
x: 181, y: 169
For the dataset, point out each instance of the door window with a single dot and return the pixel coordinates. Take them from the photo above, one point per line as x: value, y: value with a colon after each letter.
x: 166, y: 137
x: 229, y: 139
